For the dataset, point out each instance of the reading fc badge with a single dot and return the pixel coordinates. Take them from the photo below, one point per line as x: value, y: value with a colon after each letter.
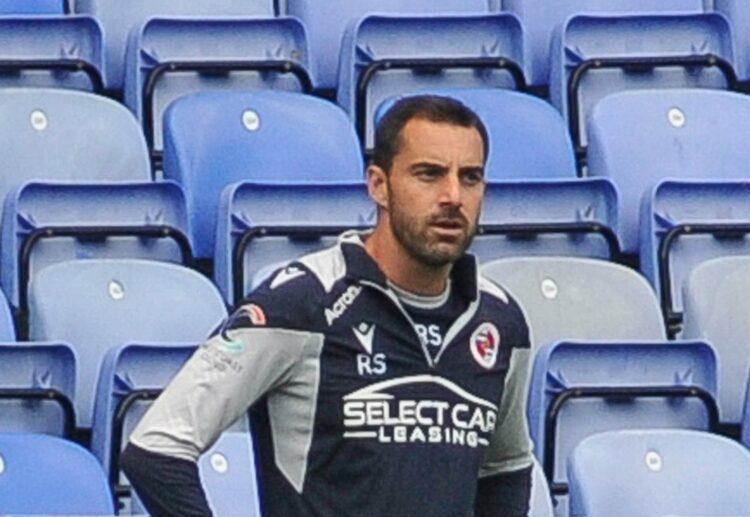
x: 484, y: 344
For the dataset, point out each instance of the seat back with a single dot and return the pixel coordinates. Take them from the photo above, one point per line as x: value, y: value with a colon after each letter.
x: 594, y: 56
x: 326, y: 23
x: 114, y: 301
x: 664, y: 472
x: 45, y: 475
x: 399, y: 54
x: 692, y: 134
x: 738, y: 14
x: 51, y: 51
x: 33, y: 7
x: 118, y: 20
x: 528, y: 137
x: 540, y: 504
x: 715, y: 309
x: 213, y: 139
x: 168, y: 58
x: 540, y: 18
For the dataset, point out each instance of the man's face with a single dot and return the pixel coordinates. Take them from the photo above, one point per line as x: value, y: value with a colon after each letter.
x: 435, y: 189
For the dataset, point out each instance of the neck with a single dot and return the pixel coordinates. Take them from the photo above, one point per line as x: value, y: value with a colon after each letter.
x: 402, y: 269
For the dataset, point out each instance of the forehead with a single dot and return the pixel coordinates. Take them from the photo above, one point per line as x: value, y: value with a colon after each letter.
x: 442, y: 142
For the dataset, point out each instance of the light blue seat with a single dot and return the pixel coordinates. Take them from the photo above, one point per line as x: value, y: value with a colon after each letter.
x: 519, y: 126
x: 541, y: 17
x: 110, y: 302
x: 685, y: 223
x: 398, y: 54
x: 691, y: 134
x: 168, y: 58
x: 715, y: 308
x: 745, y: 429
x: 50, y: 51
x: 263, y: 224
x: 738, y: 14
x: 327, y: 21
x: 45, y: 475
x: 131, y: 377
x: 593, y: 56
x: 118, y: 19
x: 37, y: 388
x: 213, y: 139
x: 540, y: 504
x: 653, y: 473
x: 48, y: 222
x: 565, y: 217
x: 34, y: 7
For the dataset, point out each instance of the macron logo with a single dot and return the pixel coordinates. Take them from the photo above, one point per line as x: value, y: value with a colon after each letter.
x: 285, y: 275
x: 343, y: 302
x: 364, y: 334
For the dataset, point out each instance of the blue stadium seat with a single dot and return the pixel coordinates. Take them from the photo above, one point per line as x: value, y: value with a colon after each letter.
x: 34, y: 7
x: 51, y: 51
x: 46, y: 222
x: 565, y: 217
x: 540, y: 504
x: 110, y: 302
x: 541, y: 17
x: 593, y: 56
x: 738, y: 14
x: 119, y: 19
x: 168, y: 58
x: 659, y: 473
x: 46, y: 475
x: 685, y: 223
x: 518, y: 125
x: 386, y: 55
x: 692, y: 134
x: 715, y: 308
x: 213, y: 139
x: 263, y: 224
x: 327, y: 21
x: 37, y: 388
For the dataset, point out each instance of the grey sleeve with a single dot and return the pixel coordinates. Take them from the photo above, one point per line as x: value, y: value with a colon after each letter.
x: 218, y: 384
x: 510, y: 448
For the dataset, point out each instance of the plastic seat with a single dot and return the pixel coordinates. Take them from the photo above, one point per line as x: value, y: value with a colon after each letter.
x: 327, y: 21
x: 33, y: 7
x: 399, y: 54
x: 45, y: 223
x: 541, y: 17
x: 118, y: 20
x: 714, y: 310
x: 656, y: 473
x: 517, y: 124
x: 118, y: 301
x: 168, y: 58
x: 738, y: 14
x: 261, y: 224
x: 50, y: 51
x: 593, y: 56
x: 45, y: 475
x: 685, y: 223
x: 541, y: 501
x: 692, y: 134
x: 214, y: 139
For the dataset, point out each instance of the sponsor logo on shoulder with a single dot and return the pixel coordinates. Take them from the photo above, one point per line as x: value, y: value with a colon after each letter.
x: 484, y: 344
x: 342, y: 303
x: 257, y: 316
x: 287, y: 274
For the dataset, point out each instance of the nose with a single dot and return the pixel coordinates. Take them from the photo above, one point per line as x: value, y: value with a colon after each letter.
x: 451, y: 190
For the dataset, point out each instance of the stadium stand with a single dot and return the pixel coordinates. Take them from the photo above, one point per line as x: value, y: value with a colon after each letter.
x: 15, y: 7
x: 398, y: 54
x: 692, y: 134
x: 541, y: 17
x: 665, y: 472
x: 593, y: 56
x: 168, y: 58
x: 52, y: 51
x: 119, y: 19
x: 45, y: 475
x: 326, y: 23
x: 214, y: 139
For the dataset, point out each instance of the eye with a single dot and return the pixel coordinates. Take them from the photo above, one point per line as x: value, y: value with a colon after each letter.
x: 472, y: 177
x: 428, y: 173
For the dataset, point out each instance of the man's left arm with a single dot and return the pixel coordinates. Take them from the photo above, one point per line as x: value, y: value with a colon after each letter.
x: 504, y: 487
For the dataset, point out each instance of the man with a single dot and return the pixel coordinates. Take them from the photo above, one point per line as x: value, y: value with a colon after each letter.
x: 391, y: 375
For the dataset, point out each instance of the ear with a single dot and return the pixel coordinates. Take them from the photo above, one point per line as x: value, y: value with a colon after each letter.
x: 377, y: 186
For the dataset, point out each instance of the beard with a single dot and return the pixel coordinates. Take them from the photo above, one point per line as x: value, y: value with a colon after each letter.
x: 415, y: 235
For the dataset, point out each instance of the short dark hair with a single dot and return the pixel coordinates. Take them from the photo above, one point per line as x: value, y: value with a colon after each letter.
x: 434, y: 108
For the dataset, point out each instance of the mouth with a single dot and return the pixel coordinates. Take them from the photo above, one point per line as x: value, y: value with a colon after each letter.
x: 452, y: 228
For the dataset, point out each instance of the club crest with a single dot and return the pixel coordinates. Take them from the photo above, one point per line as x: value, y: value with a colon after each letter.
x: 485, y: 344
